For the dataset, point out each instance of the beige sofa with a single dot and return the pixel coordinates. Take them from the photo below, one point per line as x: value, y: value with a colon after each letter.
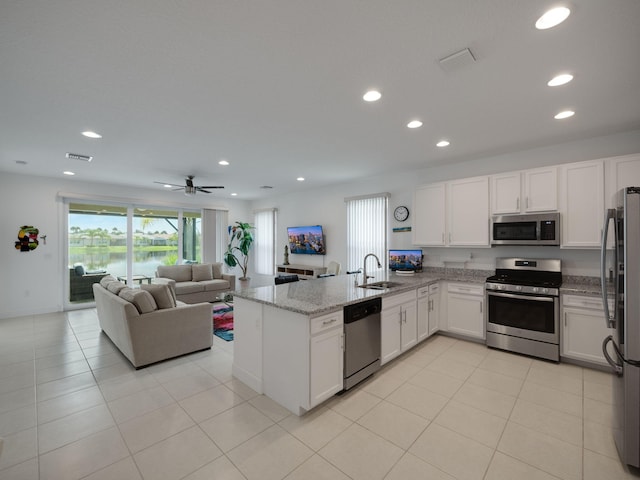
x: 146, y: 334
x: 198, y: 282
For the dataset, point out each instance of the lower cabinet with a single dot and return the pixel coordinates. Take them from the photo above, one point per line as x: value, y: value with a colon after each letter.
x: 465, y: 309
x: 399, y: 325
x: 583, y: 328
x: 428, y: 310
x: 327, y: 360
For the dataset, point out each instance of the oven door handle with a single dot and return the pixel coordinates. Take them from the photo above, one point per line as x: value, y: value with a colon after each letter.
x: 521, y: 297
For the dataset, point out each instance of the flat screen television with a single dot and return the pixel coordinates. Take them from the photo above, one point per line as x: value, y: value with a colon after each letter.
x: 306, y: 240
x: 405, y: 260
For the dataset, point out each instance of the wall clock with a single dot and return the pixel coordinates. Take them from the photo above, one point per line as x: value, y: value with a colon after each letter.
x: 401, y: 213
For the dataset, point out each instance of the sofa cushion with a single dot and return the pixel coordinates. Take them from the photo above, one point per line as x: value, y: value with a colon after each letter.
x: 217, y: 270
x: 79, y: 269
x: 183, y: 288
x: 142, y: 299
x: 201, y: 272
x: 115, y: 287
x: 104, y: 281
x: 162, y: 294
x: 180, y: 273
x: 216, y: 284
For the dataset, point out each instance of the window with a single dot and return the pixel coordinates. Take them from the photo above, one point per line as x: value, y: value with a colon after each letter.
x: 366, y: 229
x: 264, y: 241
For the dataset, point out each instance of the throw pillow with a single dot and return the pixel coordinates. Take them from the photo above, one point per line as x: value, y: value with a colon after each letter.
x: 79, y: 270
x: 217, y: 270
x: 161, y: 294
x: 115, y: 287
x: 104, y: 281
x: 201, y: 272
x: 142, y: 299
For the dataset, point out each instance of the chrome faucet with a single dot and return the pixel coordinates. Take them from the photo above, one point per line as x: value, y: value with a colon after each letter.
x: 364, y: 268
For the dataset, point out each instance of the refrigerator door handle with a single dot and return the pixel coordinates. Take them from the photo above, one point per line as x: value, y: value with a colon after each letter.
x: 617, y: 367
x: 610, y: 214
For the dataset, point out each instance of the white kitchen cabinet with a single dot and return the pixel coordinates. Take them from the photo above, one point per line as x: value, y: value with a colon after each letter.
x: 582, y: 204
x: 399, y: 325
x: 620, y: 172
x: 429, y: 215
x: 428, y: 310
x: 465, y: 309
x: 468, y: 207
x: 527, y: 191
x: 583, y: 328
x: 326, y: 358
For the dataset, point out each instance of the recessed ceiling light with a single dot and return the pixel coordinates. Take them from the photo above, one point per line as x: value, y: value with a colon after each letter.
x: 414, y: 124
x: 223, y: 162
x: 564, y: 114
x: 443, y: 143
x: 560, y: 80
x: 68, y: 173
x: 300, y: 179
x: 91, y: 134
x: 372, y: 96
x: 234, y: 194
x: 552, y: 17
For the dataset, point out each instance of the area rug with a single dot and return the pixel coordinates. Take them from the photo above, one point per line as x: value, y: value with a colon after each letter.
x: 223, y: 321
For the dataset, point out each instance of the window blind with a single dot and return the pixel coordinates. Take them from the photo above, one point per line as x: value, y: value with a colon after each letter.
x: 264, y: 241
x: 366, y: 230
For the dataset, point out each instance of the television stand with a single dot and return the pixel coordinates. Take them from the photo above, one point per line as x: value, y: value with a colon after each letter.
x: 304, y: 272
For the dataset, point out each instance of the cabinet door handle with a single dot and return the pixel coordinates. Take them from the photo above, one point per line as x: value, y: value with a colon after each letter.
x: 518, y: 203
x: 328, y: 322
x: 480, y: 307
x: 527, y: 202
x: 443, y: 237
x: 449, y: 237
x: 565, y: 319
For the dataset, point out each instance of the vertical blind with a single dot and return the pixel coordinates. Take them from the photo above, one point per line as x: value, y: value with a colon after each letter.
x: 214, y: 234
x: 264, y: 241
x: 366, y: 229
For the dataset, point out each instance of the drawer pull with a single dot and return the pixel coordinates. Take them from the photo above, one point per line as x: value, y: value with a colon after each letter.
x: 328, y: 322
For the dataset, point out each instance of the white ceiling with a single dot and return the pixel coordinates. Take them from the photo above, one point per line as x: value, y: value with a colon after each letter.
x: 275, y: 86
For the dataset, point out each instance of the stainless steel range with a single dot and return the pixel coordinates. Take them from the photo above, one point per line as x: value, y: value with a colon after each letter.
x: 523, y: 307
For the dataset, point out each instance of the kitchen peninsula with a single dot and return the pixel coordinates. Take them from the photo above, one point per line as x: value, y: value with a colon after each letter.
x: 288, y: 339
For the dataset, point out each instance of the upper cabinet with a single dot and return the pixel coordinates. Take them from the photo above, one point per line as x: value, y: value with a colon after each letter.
x: 524, y: 192
x: 452, y: 214
x: 581, y: 204
x: 621, y: 172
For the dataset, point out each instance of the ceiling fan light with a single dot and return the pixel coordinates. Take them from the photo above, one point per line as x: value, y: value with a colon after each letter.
x: 189, y: 191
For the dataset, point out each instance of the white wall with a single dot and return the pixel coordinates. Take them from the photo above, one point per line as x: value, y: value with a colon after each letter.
x: 326, y: 206
x: 33, y: 282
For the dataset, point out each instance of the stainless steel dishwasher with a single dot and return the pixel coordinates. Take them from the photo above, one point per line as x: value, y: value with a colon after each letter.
x: 361, y: 341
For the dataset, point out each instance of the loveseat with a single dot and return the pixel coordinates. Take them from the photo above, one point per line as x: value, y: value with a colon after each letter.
x: 197, y: 282
x: 148, y: 324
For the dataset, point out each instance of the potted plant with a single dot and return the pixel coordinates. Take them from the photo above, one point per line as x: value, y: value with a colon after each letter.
x: 240, y: 241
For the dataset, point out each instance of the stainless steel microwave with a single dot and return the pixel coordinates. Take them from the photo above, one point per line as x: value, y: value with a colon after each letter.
x: 529, y: 229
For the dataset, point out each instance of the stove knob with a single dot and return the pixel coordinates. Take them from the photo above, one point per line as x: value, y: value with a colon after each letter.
x: 518, y: 288
x: 535, y: 289
x: 545, y: 290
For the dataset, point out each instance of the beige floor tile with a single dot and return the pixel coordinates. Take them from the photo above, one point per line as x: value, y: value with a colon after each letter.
x: 317, y: 427
x: 16, y: 382
x: 61, y: 371
x: 542, y: 451
x: 596, y: 376
x: 24, y: 471
x: 73, y: 427
x: 410, y: 467
x: 177, y: 456
x: 382, y: 384
x: 464, y: 355
x: 471, y: 422
x: 455, y: 454
x: 235, y: 426
x: 496, y: 381
x: 240, y: 389
x: 270, y: 455
x: 548, y: 421
x: 59, y: 359
x: 83, y: 457
x: 209, y: 403
x: 552, y: 398
x: 437, y: 344
x: 127, y: 384
x: 64, y: 405
x: 270, y: 408
x: 183, y: 387
x: 16, y: 420
x: 19, y: 447
x: 451, y: 367
x: 394, y: 423
x: 175, y: 368
x: 598, y: 391
x: 599, y: 467
x: 418, y: 400
x: 142, y: 432
x: 484, y: 399
x: 354, y: 403
x: 401, y: 369
x: 419, y: 358
x: 49, y: 390
x: 566, y: 369
x: 361, y: 454
x: 140, y: 403
x: 503, y: 467
x: 19, y: 398
x: 123, y: 470
x: 555, y: 379
x: 506, y: 364
x: 599, y: 412
x: 599, y: 438
x: 19, y: 368
x: 436, y: 382
x: 316, y: 468
x: 109, y: 359
x: 220, y: 469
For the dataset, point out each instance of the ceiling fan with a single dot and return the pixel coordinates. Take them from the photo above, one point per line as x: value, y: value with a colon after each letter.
x: 189, y: 187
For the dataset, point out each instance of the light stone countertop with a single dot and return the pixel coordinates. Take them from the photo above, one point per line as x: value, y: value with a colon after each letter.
x: 323, y: 295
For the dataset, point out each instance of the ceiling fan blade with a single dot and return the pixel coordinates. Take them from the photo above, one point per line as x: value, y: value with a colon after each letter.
x: 210, y: 186
x: 200, y: 189
x: 172, y: 184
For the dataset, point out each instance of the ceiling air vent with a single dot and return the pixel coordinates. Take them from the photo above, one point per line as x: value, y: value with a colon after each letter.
x: 77, y: 156
x: 266, y: 187
x: 457, y: 60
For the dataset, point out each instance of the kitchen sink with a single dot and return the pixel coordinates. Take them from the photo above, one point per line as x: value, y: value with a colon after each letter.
x: 380, y: 285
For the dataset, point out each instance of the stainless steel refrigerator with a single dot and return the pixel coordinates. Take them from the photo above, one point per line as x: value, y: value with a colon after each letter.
x: 622, y: 348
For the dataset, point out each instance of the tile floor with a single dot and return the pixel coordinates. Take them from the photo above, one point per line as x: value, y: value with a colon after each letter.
x: 71, y: 407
